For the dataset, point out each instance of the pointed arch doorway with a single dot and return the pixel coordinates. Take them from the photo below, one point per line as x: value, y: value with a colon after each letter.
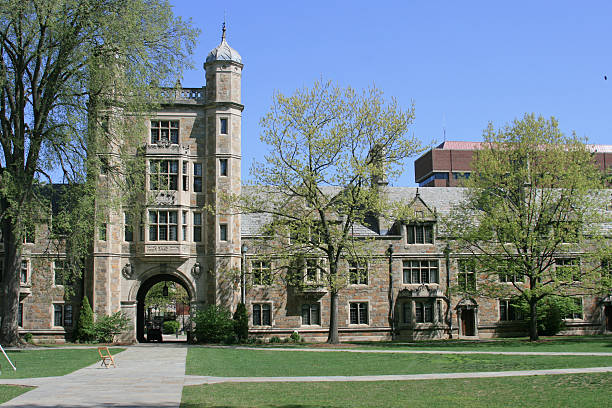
x: 142, y: 293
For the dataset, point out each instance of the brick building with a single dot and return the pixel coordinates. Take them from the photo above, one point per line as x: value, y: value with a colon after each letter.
x: 193, y: 153
x: 450, y: 162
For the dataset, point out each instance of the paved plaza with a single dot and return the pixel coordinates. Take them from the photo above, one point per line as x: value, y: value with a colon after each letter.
x: 154, y: 376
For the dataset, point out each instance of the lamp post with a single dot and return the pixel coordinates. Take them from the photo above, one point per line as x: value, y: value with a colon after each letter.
x: 389, y: 253
x: 243, y: 249
x: 449, y: 315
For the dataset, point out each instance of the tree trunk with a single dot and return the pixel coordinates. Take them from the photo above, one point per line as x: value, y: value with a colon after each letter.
x: 9, y: 335
x: 333, y: 337
x: 533, y: 320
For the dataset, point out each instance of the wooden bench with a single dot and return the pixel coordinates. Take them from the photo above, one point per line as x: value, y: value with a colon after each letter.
x: 106, y: 357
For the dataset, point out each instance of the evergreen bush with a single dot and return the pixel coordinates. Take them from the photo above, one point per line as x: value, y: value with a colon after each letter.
x: 85, y: 324
x: 241, y: 323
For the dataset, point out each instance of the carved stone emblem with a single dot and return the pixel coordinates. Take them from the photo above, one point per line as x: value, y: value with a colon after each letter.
x: 128, y: 271
x: 196, y: 270
x: 165, y: 198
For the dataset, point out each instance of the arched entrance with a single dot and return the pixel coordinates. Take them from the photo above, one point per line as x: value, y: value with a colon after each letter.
x: 467, y: 316
x: 142, y: 293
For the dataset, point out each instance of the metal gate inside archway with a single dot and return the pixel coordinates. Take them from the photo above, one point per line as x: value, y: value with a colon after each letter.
x: 149, y: 323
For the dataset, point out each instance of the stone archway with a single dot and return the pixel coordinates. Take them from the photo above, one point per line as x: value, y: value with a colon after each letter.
x: 467, y: 317
x: 144, y: 287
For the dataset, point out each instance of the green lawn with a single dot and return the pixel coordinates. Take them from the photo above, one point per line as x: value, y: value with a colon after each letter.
x: 8, y: 392
x: 48, y: 363
x: 546, y: 344
x: 248, y: 363
x: 592, y: 390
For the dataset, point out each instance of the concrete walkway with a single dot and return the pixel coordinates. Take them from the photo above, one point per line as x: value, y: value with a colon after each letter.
x: 197, y: 380
x: 153, y: 375
x: 144, y: 377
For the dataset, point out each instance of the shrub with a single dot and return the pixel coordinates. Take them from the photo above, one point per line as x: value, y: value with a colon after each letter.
x: 213, y: 324
x: 295, y: 336
x: 107, y: 327
x: 170, y: 327
x: 275, y: 339
x: 85, y: 330
x: 241, y: 323
x: 28, y: 337
x: 551, y: 311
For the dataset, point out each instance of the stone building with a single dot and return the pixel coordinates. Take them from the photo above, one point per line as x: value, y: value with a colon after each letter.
x: 193, y: 152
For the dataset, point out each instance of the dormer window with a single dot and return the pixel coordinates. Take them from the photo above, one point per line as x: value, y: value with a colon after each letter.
x: 419, y: 234
x: 164, y: 131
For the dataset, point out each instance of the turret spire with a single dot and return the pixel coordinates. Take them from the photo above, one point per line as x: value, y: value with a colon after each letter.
x: 223, y: 31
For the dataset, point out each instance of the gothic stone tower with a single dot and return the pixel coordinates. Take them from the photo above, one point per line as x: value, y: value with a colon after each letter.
x: 193, y: 156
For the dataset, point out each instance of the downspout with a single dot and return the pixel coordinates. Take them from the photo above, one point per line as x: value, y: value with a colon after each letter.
x: 391, y: 297
x: 449, y: 317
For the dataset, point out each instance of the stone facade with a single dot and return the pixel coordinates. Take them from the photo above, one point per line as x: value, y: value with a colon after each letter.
x: 403, y: 294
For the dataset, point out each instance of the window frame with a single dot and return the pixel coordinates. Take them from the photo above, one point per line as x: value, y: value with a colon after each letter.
x: 223, y: 232
x: 358, y: 272
x: 163, y: 174
x: 261, y: 272
x: 426, y: 230
x: 467, y: 274
x: 223, y: 167
x: 197, y: 226
x: 362, y: 318
x: 61, y: 268
x: 24, y: 272
x: 156, y: 125
x: 128, y: 228
x: 425, y: 307
x: 63, y: 310
x: 578, y: 301
x: 568, y: 262
x: 315, y: 308
x: 260, y: 314
x: 169, y: 226
x: 409, y: 271
x: 198, y: 183
x: 512, y: 313
x: 224, y: 125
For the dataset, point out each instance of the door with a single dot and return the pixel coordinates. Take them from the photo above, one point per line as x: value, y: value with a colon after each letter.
x: 467, y: 322
x: 608, y: 313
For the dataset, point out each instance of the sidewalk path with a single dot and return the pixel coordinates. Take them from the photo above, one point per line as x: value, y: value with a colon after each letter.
x: 198, y: 380
x: 144, y: 377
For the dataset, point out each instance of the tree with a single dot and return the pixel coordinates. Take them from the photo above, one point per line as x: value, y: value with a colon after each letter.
x: 331, y: 151
x: 532, y: 215
x: 67, y: 69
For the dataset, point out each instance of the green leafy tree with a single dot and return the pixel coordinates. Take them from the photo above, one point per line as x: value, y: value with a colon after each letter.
x: 69, y: 70
x: 532, y: 215
x: 330, y: 151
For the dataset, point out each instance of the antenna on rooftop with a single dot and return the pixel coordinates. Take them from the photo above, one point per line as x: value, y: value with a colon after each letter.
x: 444, y: 126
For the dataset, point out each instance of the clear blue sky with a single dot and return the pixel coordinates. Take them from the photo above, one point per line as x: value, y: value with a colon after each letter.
x: 463, y: 64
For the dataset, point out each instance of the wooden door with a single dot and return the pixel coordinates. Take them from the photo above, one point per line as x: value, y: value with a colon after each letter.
x: 467, y: 322
x: 608, y: 313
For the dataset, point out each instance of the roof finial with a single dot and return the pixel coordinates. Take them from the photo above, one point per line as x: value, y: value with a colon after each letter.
x: 223, y: 30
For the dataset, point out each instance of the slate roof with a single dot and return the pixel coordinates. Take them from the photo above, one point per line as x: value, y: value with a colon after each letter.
x: 442, y: 199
